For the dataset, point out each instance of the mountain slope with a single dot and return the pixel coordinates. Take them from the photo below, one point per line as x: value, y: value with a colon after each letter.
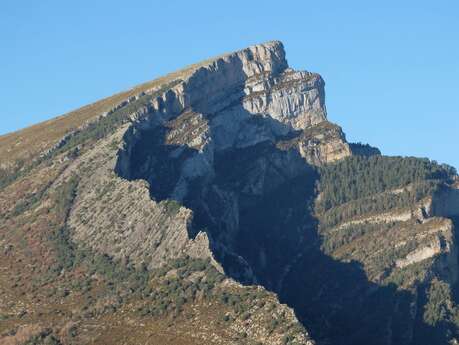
x: 189, y: 208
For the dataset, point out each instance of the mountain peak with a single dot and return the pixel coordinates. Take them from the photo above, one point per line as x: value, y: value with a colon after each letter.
x: 204, y: 200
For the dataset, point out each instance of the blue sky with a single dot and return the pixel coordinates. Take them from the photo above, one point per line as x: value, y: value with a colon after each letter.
x: 391, y: 67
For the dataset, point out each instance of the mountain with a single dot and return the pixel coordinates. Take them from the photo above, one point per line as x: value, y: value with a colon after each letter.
x: 218, y: 205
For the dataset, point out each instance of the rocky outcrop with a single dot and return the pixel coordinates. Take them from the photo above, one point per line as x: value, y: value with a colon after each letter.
x: 246, y: 106
x: 441, y: 244
x: 319, y: 144
x: 245, y: 98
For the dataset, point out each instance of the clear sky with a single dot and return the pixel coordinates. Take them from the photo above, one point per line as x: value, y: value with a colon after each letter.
x: 391, y: 67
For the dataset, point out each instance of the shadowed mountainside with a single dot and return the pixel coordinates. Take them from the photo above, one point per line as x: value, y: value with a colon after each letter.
x: 256, y: 205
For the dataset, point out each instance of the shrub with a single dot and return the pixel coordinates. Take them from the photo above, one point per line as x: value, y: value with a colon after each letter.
x: 172, y: 207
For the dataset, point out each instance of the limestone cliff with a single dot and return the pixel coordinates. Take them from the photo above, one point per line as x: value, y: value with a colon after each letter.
x: 235, y: 105
x: 218, y: 204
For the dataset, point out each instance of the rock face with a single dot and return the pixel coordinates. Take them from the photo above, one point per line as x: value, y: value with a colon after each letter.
x: 247, y: 107
x: 244, y: 98
x: 226, y: 181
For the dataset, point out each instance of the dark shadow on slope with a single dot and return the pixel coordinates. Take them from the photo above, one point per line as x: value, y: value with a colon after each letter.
x: 159, y: 164
x: 450, y: 323
x: 256, y: 206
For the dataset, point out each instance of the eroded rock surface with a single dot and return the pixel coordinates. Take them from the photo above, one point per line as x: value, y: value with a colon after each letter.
x: 219, y: 142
